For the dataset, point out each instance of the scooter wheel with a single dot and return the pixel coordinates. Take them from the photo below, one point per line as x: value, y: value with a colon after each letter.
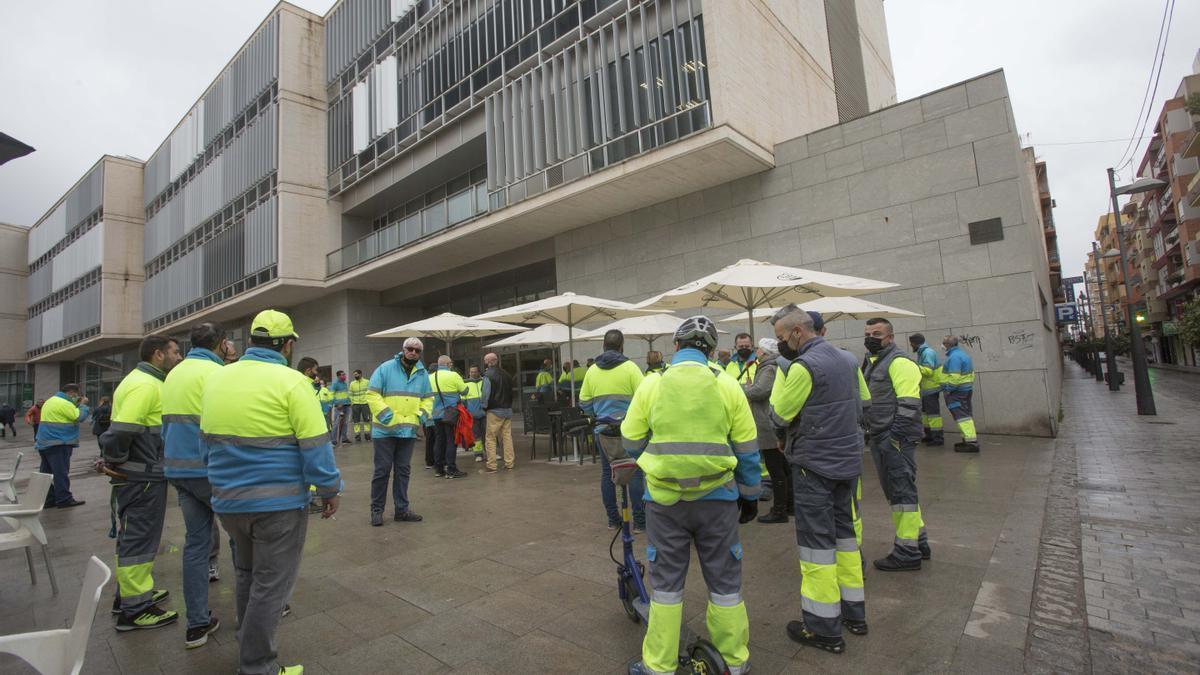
x: 703, y: 657
x: 627, y: 601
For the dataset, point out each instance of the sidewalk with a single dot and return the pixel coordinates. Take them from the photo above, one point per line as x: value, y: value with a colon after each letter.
x: 1136, y: 497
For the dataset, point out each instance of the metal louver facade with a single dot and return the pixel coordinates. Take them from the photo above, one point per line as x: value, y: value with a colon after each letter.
x: 65, y: 253
x: 211, y: 191
x: 845, y: 52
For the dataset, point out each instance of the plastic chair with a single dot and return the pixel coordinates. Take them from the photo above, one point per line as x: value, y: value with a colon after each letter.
x: 25, y: 519
x: 61, y: 652
x: 8, y: 481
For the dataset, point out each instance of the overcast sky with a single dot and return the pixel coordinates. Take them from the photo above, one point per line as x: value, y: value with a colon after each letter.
x: 83, y: 78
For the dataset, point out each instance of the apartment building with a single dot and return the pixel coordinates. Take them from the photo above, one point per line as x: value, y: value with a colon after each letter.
x: 1165, y: 243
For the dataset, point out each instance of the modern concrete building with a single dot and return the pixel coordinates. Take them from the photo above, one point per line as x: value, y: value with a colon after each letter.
x: 931, y: 194
x: 399, y: 159
x: 14, y: 272
x: 85, y: 275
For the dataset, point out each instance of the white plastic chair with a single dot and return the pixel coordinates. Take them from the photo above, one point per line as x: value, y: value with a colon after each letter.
x: 8, y: 481
x: 25, y: 519
x: 61, y: 652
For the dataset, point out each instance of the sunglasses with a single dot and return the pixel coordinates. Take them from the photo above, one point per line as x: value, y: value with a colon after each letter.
x: 415, y: 350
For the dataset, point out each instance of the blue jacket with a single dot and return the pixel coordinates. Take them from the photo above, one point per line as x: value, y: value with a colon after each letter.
x: 399, y: 401
x: 263, y: 438
x: 958, y: 373
x: 60, y: 422
x: 181, y: 394
x: 341, y: 393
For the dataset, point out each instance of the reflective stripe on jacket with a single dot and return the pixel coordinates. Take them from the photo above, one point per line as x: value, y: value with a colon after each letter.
x: 358, y: 390
x: 474, y: 397
x: 931, y: 372
x: 181, y: 394
x: 325, y: 398
x: 400, y: 401
x: 133, y: 442
x: 59, y: 424
x: 264, y: 438
x: 448, y: 387
x: 545, y: 382
x: 607, y: 392
x: 693, y: 434
x: 958, y: 373
x: 341, y: 393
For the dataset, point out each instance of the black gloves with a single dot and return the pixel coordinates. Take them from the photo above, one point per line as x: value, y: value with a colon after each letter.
x: 749, y: 509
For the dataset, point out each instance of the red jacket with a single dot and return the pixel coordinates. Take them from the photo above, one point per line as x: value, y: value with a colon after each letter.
x: 464, y: 432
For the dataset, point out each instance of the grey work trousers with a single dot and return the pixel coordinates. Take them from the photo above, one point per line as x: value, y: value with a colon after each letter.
x: 266, y: 556
x: 896, y: 464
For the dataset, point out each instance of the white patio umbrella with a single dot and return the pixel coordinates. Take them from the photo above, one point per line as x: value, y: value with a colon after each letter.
x: 648, y: 327
x: 545, y: 335
x: 752, y: 285
x: 448, y: 327
x: 833, y: 309
x: 569, y: 310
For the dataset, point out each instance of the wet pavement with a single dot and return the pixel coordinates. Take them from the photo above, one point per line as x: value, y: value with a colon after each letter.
x: 510, y: 573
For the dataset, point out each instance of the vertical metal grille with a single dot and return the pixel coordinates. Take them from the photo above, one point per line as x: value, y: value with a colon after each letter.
x: 845, y: 52
x: 633, y: 83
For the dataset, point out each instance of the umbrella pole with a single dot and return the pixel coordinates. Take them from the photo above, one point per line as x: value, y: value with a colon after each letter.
x: 751, y: 323
x: 571, y: 350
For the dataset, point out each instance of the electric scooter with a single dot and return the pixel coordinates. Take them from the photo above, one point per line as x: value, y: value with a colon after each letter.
x: 699, y: 655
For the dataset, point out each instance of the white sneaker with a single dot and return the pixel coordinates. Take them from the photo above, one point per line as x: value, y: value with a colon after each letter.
x: 478, y: 458
x: 213, y: 573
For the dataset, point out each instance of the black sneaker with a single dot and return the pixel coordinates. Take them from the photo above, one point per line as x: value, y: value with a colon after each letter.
x: 159, y: 595
x: 407, y: 517
x: 72, y: 503
x: 773, y: 516
x: 893, y: 564
x: 152, y: 617
x: 926, y: 552
x: 855, y: 627
x: 798, y: 632
x: 455, y: 473
x: 972, y: 446
x: 376, y: 518
x: 935, y: 442
x: 438, y: 473
x: 357, y: 438
x: 198, y: 636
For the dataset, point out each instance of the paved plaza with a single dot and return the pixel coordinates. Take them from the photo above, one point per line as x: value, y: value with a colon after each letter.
x: 1054, y: 555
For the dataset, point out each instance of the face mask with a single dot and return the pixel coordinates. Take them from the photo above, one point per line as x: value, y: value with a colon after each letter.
x: 873, y: 344
x: 341, y: 378
x: 786, y: 351
x: 745, y: 352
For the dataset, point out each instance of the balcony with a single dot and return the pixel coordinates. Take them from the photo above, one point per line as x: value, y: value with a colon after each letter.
x: 1160, y: 164
x: 1192, y: 147
x: 459, y: 207
x: 1193, y: 191
x: 1166, y: 206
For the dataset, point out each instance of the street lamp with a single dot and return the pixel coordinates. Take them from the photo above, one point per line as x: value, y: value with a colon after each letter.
x: 1093, y: 354
x: 1141, y: 373
x: 1110, y: 355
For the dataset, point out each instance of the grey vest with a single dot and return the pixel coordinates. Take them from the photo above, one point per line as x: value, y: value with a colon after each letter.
x: 885, y: 406
x: 825, y: 437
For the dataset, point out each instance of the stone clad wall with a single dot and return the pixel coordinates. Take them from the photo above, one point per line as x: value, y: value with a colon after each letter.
x: 887, y: 196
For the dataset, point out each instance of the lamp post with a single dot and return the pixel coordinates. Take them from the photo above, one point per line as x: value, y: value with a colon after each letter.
x: 1141, y: 372
x: 1093, y: 354
x: 1110, y: 356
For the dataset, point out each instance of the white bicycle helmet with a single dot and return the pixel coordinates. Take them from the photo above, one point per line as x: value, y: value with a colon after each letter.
x: 698, y: 331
